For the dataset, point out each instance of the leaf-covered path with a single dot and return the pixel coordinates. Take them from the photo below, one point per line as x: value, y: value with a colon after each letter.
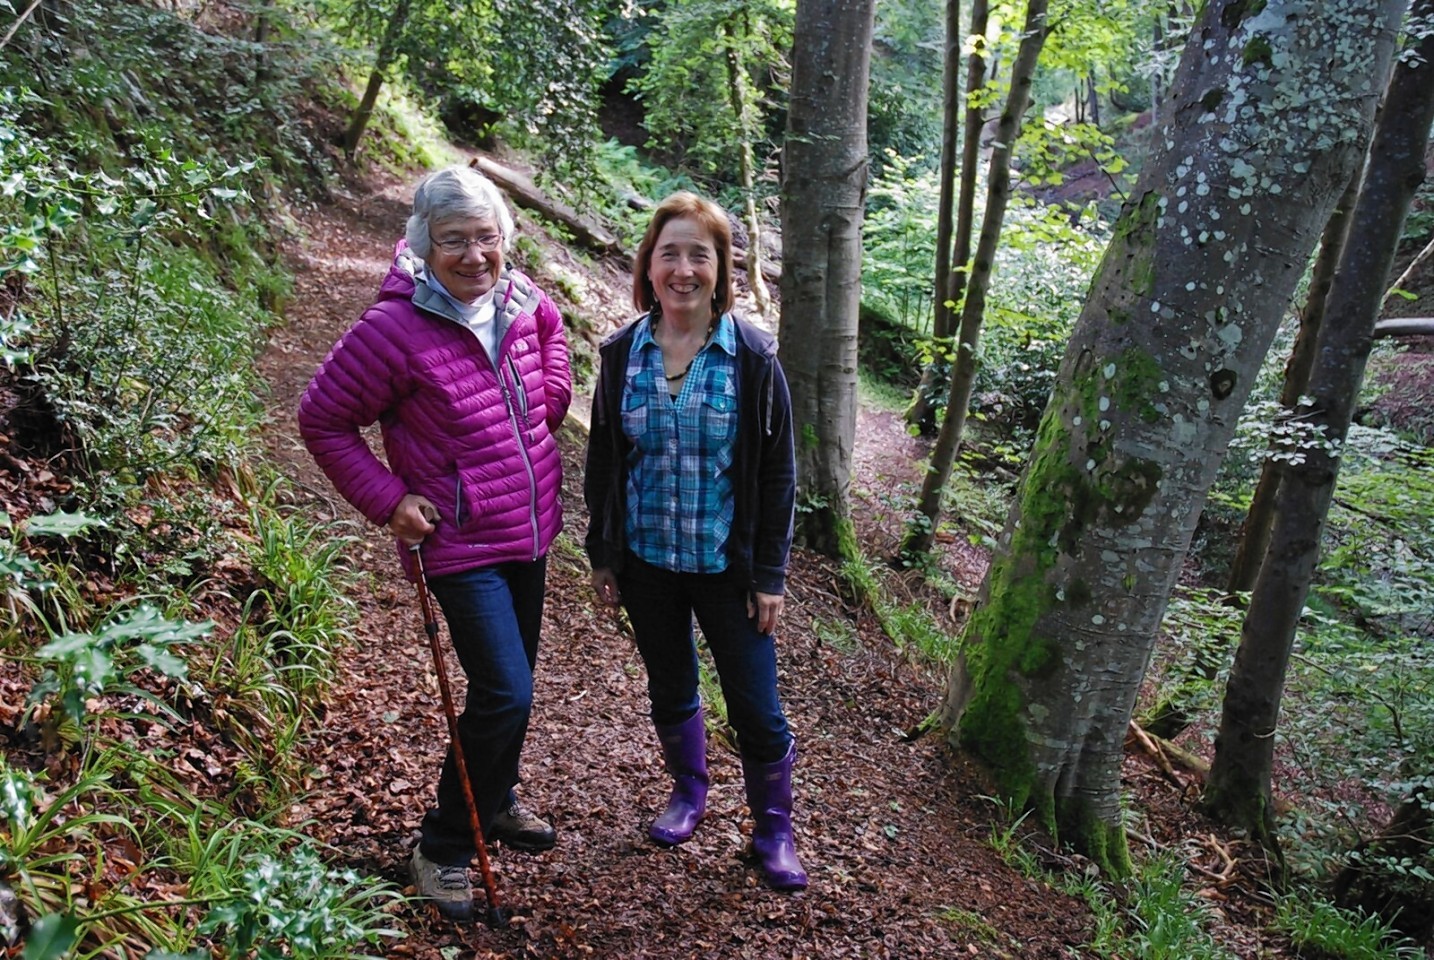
x: 893, y: 836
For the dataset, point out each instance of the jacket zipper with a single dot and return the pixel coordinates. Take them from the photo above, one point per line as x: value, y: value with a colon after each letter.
x: 508, y: 391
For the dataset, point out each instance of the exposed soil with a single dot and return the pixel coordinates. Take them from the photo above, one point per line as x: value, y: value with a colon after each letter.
x: 893, y: 828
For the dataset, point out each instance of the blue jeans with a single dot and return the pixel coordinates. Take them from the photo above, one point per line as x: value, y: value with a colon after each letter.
x: 661, y: 605
x: 493, y: 615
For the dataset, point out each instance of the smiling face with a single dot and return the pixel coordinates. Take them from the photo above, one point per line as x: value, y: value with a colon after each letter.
x: 683, y: 269
x: 469, y: 274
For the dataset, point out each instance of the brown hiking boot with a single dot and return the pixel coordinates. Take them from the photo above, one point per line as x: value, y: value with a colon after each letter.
x: 446, y: 885
x: 522, y: 829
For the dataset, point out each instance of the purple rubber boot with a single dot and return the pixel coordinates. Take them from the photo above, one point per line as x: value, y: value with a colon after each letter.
x: 769, y: 794
x: 684, y: 747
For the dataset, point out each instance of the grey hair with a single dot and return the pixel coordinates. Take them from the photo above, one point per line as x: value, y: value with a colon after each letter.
x: 458, y: 191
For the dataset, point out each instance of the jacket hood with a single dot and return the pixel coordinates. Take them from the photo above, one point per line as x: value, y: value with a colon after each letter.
x: 400, y: 282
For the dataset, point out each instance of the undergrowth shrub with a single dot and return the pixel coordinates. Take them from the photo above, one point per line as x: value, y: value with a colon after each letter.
x: 1043, y: 267
x: 1320, y: 929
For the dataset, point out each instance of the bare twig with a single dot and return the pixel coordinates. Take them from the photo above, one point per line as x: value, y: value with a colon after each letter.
x: 16, y: 25
x: 1156, y: 753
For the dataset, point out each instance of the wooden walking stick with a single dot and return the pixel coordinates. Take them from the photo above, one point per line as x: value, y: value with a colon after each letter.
x: 496, y: 916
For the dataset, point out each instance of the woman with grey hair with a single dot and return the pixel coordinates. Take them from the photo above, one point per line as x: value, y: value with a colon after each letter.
x: 463, y: 362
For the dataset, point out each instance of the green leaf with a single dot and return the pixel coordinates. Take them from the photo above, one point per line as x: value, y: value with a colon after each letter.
x: 66, y: 646
x: 60, y: 524
x: 162, y: 660
x: 51, y: 937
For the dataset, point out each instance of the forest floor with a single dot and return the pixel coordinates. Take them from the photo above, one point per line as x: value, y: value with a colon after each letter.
x: 894, y: 829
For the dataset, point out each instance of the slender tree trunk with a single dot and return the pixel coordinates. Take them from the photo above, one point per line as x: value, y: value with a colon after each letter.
x: 263, y: 23
x: 1186, y: 302
x: 921, y: 413
x: 1238, y: 789
x: 1255, y: 532
x: 823, y: 200
x: 998, y: 193
x: 738, y: 94
x: 1157, y: 82
x: 387, y: 53
x: 938, y: 372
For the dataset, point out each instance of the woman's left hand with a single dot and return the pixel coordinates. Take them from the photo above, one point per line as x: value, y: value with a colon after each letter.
x: 766, y: 608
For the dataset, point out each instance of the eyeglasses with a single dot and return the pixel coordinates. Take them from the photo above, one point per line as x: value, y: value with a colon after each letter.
x: 457, y: 246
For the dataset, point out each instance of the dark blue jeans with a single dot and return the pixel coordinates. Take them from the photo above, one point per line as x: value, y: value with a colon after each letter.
x: 493, y: 615
x: 661, y: 605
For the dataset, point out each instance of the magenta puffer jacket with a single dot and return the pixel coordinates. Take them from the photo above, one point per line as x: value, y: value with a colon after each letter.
x: 473, y: 436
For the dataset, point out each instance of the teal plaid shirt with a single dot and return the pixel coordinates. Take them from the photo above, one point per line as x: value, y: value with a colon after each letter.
x: 679, y: 492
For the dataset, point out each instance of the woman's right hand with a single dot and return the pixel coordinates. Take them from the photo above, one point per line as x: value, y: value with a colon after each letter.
x: 605, y: 583
x: 413, y: 519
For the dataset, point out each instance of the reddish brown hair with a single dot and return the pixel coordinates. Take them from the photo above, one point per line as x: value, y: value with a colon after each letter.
x: 711, y: 218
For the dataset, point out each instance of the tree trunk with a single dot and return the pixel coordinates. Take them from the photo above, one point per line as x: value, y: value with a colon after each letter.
x: 998, y: 193
x: 823, y: 200
x: 1255, y: 531
x: 737, y: 93
x: 263, y: 23
x: 921, y: 413
x: 1238, y: 790
x: 387, y: 53
x: 1187, y: 299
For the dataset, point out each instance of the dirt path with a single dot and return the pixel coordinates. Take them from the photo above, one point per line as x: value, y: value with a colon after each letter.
x: 894, y: 840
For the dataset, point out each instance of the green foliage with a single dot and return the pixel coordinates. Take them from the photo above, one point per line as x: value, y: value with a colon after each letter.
x: 292, y: 904
x: 903, y: 115
x: 1155, y: 917
x: 112, y: 77
x: 693, y: 110
x: 899, y: 242
x: 303, y: 613
x: 81, y: 666
x: 1318, y: 928
x: 1047, y: 149
x: 627, y: 177
x: 1167, y: 921
x: 53, y: 853
x: 1043, y: 269
x: 911, y: 627
x: 496, y: 56
x: 1199, y: 634
x: 137, y: 346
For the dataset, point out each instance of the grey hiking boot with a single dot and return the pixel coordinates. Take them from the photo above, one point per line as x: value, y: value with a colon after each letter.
x: 522, y: 829
x: 446, y: 885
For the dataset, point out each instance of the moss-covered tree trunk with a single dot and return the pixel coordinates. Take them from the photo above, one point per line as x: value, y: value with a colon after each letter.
x: 973, y: 309
x: 1238, y: 788
x: 823, y: 201
x: 1268, y: 115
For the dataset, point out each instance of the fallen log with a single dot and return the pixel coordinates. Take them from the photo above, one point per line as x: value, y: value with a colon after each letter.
x: 527, y: 195
x: 769, y: 270
x: 1404, y: 327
